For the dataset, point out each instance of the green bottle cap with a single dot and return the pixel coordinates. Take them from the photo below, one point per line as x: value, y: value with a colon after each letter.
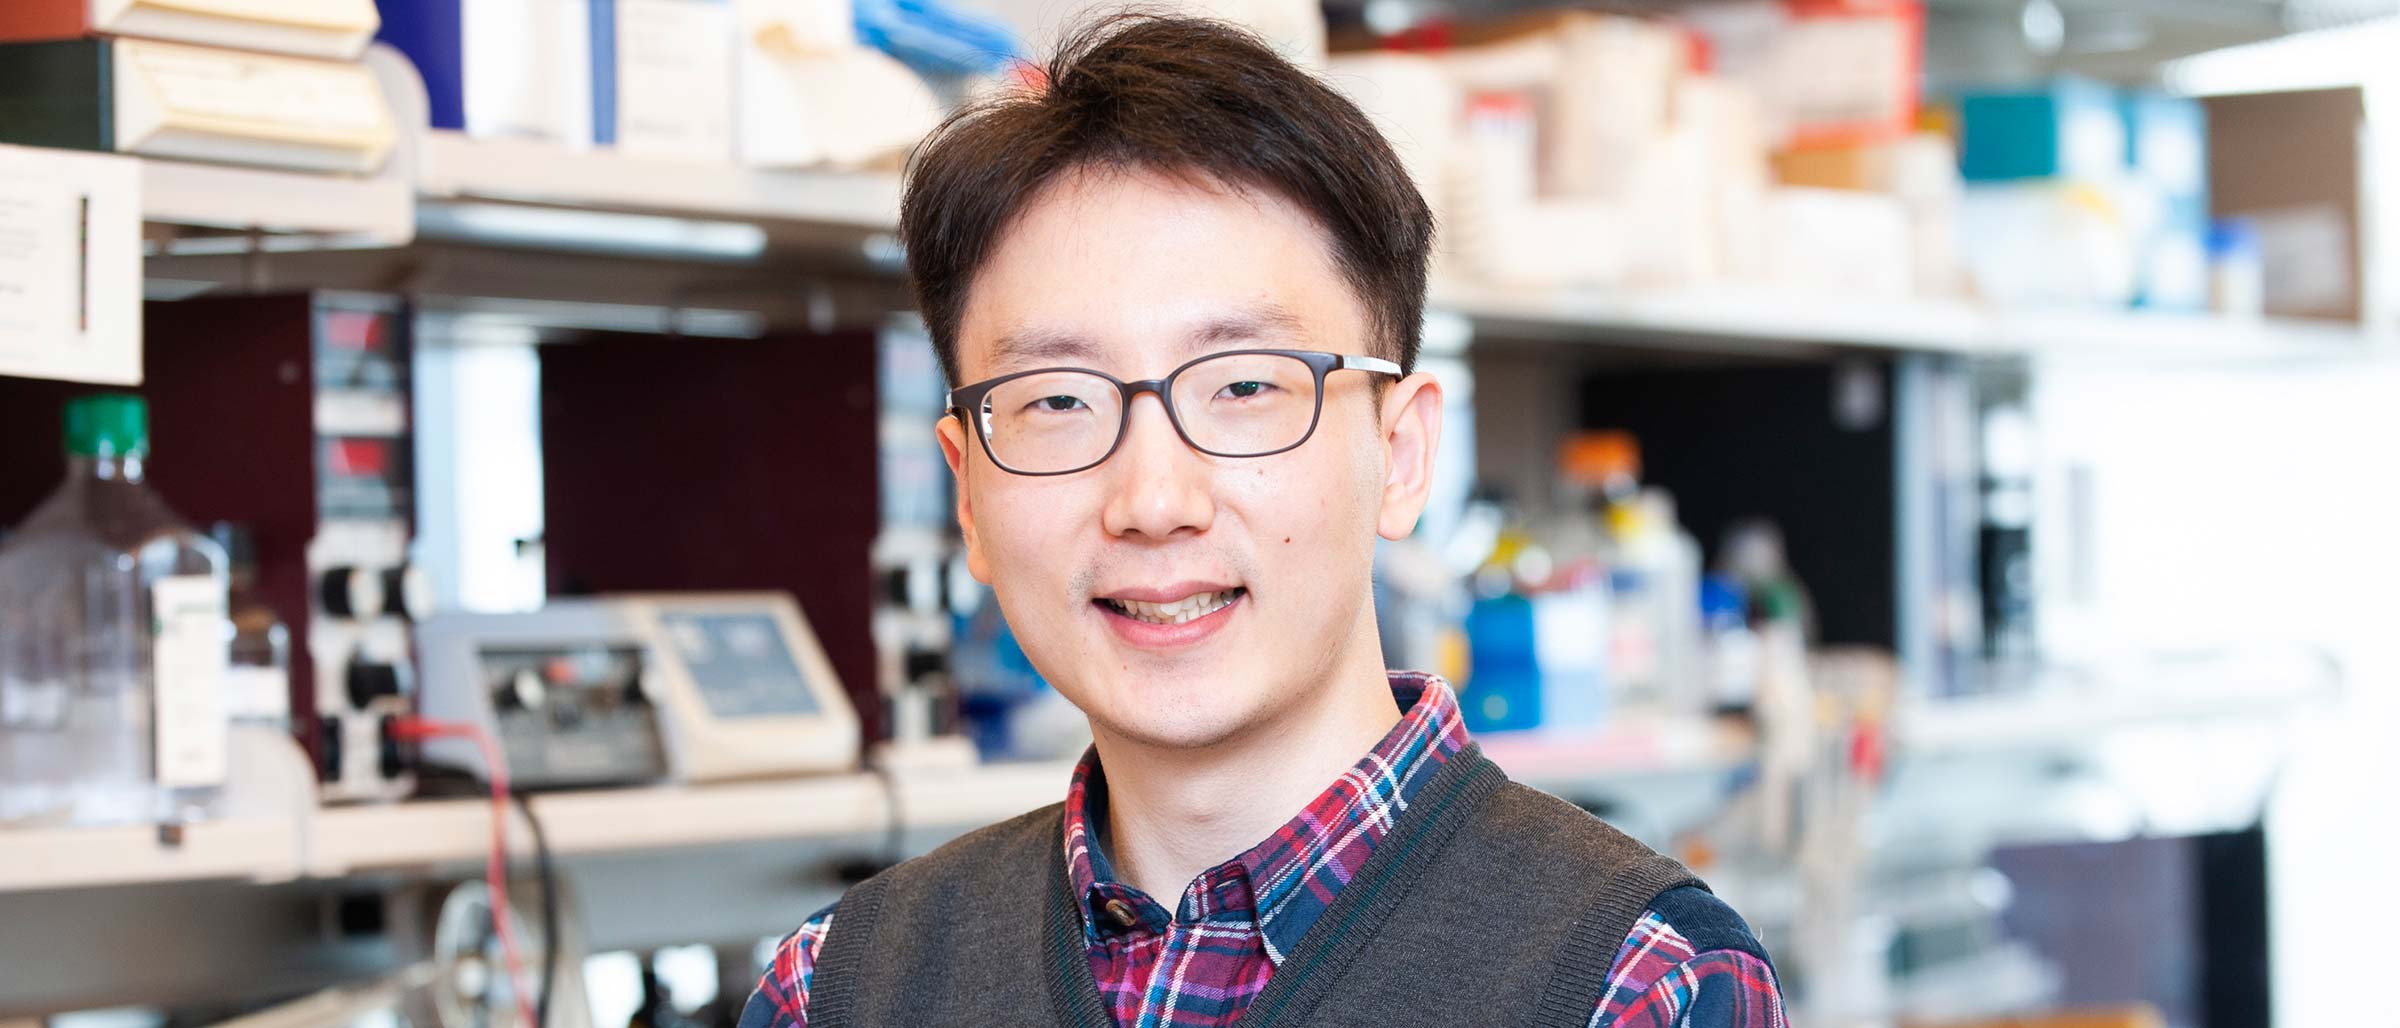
x: 108, y: 425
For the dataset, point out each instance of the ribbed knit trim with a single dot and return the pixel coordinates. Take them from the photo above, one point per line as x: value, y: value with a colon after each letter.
x: 835, y: 978
x: 1074, y: 995
x: 1589, y: 952
x: 1313, y: 967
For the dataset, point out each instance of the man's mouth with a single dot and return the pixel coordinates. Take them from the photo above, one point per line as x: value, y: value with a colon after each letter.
x: 1196, y: 605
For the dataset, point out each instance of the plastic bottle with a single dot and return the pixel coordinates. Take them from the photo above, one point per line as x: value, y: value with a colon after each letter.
x: 1653, y: 574
x: 1729, y: 648
x: 1657, y: 609
x: 258, y: 676
x: 1506, y: 688
x: 113, y: 640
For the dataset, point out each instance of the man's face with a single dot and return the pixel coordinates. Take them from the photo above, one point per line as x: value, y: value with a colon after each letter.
x: 1134, y: 274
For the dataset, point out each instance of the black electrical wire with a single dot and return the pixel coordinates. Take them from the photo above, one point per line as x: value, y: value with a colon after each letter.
x: 546, y: 879
x: 895, y: 838
x: 439, y: 779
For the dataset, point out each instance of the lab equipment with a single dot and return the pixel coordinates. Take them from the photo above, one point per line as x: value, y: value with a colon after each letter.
x: 690, y: 687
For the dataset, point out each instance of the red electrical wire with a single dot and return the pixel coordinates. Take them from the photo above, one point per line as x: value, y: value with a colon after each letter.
x: 495, y: 868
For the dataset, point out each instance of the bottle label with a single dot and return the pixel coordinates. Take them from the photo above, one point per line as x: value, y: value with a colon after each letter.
x: 188, y: 650
x: 255, y: 693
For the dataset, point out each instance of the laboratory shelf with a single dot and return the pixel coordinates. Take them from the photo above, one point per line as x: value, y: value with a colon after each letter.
x: 1727, y: 319
x: 421, y: 834
x: 332, y: 842
x: 1738, y: 320
x: 512, y: 193
x: 455, y: 167
x: 258, y: 848
x: 313, y: 210
x: 2270, y: 691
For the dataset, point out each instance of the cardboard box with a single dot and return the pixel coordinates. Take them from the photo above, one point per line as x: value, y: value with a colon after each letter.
x: 2293, y: 164
x: 1830, y: 72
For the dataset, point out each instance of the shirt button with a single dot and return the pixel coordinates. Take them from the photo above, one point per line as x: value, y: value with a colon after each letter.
x: 1121, y: 913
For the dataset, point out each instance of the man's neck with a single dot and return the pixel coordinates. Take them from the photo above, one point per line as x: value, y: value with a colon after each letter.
x: 1173, y: 813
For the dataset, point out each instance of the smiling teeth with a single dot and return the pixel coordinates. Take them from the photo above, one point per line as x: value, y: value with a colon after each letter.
x: 1197, y: 605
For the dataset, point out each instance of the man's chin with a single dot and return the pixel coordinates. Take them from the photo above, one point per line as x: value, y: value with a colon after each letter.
x: 1171, y: 726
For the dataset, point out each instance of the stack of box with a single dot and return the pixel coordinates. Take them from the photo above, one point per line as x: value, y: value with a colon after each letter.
x: 2081, y: 194
x: 268, y: 82
x: 1574, y: 149
x: 1852, y: 211
x: 1593, y: 150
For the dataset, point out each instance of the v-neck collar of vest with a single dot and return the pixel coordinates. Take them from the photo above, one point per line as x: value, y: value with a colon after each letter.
x: 1431, y: 731
x: 1446, y: 803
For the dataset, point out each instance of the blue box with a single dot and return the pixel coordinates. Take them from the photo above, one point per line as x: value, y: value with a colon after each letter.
x: 2166, y: 145
x: 2166, y: 154
x: 2069, y: 129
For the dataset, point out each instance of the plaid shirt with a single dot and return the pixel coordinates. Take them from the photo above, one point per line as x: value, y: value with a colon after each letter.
x: 1202, y: 963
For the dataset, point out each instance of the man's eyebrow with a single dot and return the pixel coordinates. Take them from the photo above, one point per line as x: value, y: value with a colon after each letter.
x: 1269, y: 321
x: 1042, y: 347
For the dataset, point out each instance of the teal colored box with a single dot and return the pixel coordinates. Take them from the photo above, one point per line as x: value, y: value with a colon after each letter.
x: 2068, y: 129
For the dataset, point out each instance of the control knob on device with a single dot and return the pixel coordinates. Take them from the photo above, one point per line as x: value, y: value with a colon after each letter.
x: 350, y: 592
x: 369, y: 680
x: 523, y: 690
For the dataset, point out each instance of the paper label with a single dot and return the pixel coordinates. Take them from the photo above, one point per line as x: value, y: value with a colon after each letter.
x: 254, y: 693
x: 187, y: 658
x: 675, y: 79
x: 70, y: 266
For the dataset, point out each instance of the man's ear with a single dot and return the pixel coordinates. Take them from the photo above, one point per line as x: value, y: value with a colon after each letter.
x: 953, y: 434
x: 1412, y: 433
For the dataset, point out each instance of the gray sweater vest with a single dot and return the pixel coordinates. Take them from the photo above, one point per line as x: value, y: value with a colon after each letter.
x: 1487, y: 904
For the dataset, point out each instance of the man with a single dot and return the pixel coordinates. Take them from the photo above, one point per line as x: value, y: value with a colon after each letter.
x: 1182, y: 282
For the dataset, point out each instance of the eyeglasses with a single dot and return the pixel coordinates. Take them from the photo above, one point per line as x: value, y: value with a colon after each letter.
x: 1239, y: 403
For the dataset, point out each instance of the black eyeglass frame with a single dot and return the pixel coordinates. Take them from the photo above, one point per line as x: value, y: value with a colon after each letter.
x: 967, y: 401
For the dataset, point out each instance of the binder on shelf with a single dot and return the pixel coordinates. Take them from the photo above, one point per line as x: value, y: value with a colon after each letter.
x: 662, y: 78
x: 312, y: 28
x: 502, y: 69
x: 171, y: 100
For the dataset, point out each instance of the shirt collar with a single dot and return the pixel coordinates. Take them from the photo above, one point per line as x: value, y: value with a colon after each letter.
x: 1292, y: 875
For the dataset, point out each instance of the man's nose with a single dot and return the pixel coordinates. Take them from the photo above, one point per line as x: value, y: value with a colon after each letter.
x: 1158, y: 485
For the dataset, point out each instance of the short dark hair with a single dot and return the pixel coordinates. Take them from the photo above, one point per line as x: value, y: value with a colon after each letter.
x: 1180, y: 96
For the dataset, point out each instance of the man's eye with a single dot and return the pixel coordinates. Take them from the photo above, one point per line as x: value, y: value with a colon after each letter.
x: 1244, y: 390
x: 1057, y: 403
